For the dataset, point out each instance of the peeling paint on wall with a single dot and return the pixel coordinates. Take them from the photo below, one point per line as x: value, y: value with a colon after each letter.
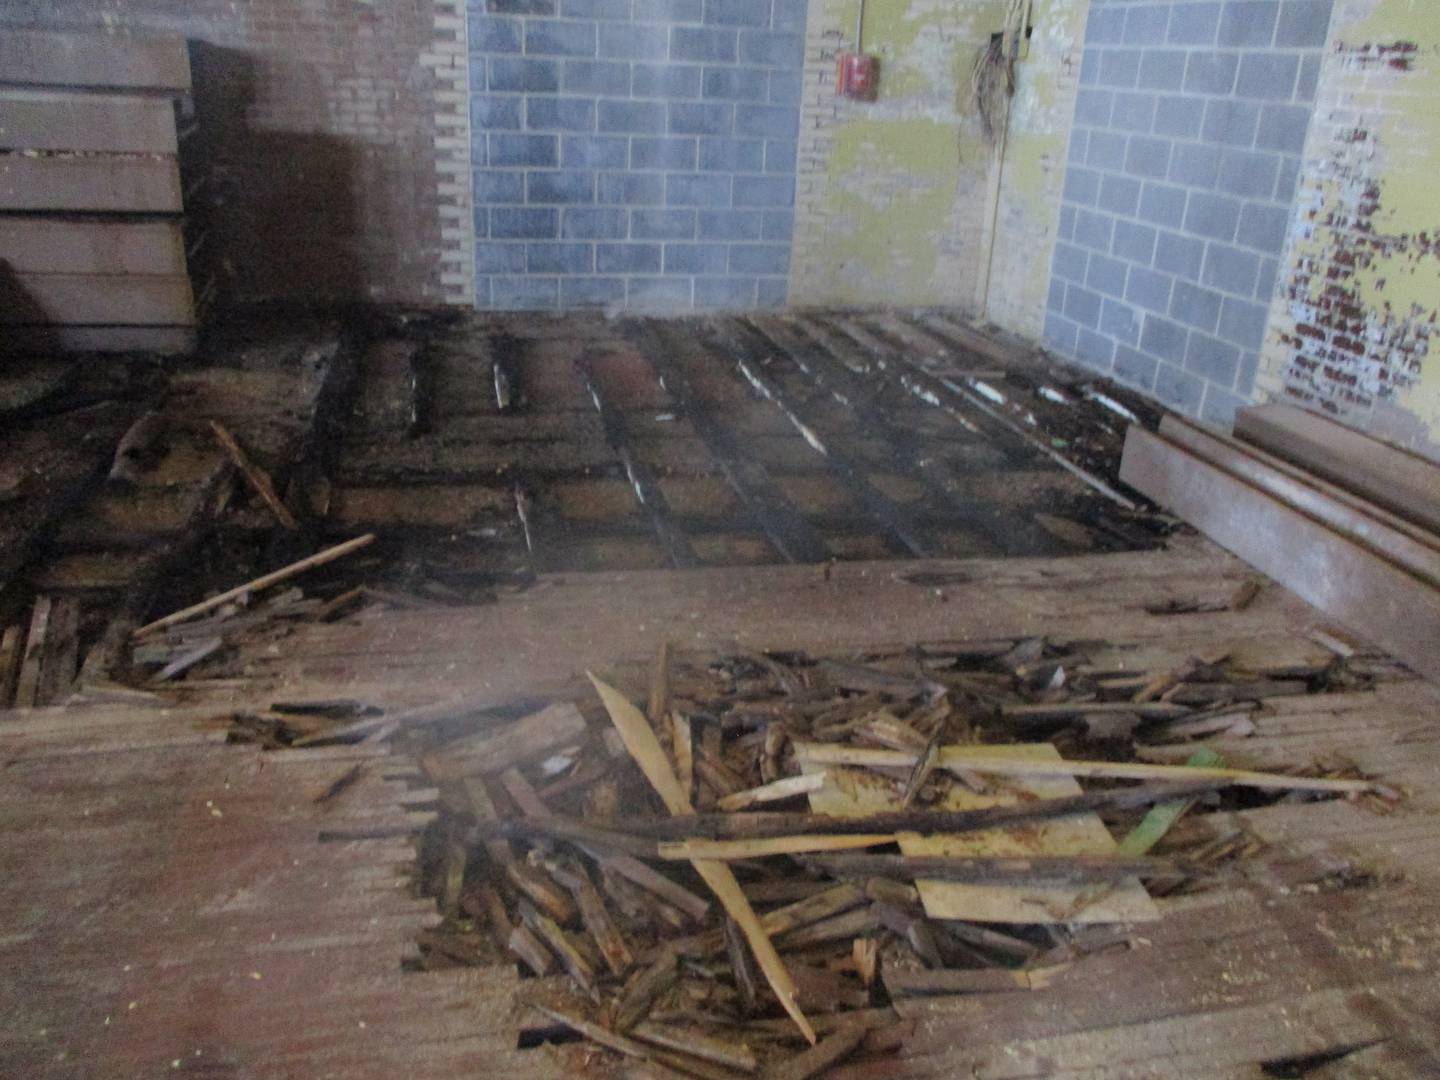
x: 892, y: 195
x: 1353, y: 328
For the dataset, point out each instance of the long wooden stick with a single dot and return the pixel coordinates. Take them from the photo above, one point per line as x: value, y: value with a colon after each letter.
x: 285, y: 573
x: 731, y: 850
x: 978, y: 760
x: 786, y: 788
x: 256, y: 477
x: 644, y: 747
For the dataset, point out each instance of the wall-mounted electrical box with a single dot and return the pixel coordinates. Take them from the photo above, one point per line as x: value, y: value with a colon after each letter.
x: 857, y: 76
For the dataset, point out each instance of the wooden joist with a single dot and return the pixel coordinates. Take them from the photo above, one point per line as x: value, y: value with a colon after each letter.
x: 1401, y: 482
x: 149, y: 185
x: 93, y: 123
x: 111, y: 61
x: 1347, y: 580
x: 87, y: 246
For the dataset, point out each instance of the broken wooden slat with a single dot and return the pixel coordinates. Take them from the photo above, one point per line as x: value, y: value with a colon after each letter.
x: 511, y: 744
x: 258, y: 479
x: 645, y: 749
x: 902, y: 983
x: 995, y: 867
x: 12, y: 651
x: 27, y: 687
x: 285, y: 573
x: 787, y: 788
x: 529, y: 950
x: 644, y: 988
x: 62, y: 645
x: 829, y: 1051
x: 695, y: 1043
x: 654, y: 1055
x: 736, y: 850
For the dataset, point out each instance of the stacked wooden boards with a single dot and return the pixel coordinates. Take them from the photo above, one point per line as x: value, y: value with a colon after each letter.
x: 1332, y: 523
x: 92, y: 246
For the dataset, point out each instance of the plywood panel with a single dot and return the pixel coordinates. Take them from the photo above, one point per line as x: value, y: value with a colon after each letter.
x: 52, y: 246
x: 41, y: 58
x: 141, y: 185
x: 100, y: 123
x: 39, y: 299
x: 854, y: 792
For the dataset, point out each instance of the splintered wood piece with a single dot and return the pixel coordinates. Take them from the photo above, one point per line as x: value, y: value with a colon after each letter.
x: 256, y: 477
x: 541, y: 890
x: 696, y: 1044
x: 849, y: 924
x: 986, y: 938
x: 189, y: 658
x: 812, y: 909
x: 996, y: 867
x: 781, y: 789
x: 454, y: 877
x: 902, y: 983
x: 733, y: 850
x: 652, y: 881
x: 484, y: 902
x: 596, y: 917
x: 496, y: 750
x: 11, y: 653
x: 27, y: 686
x: 285, y: 573
x: 644, y: 988
x: 640, y: 740
x: 681, y: 737
x: 659, y: 703
x: 774, y: 746
x: 915, y: 929
x: 559, y: 943
x: 523, y: 795
x: 742, y: 967
x: 438, y: 712
x: 981, y: 760
x: 483, y: 807
x: 888, y: 730
x: 829, y: 1051
x: 528, y: 949
x: 623, y: 1044
x: 865, y: 953
x: 62, y: 646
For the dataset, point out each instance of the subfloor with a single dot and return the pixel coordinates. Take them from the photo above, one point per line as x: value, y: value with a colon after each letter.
x: 175, y: 903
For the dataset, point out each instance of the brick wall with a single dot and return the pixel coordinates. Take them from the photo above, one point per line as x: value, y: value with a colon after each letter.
x: 1189, y: 127
x: 337, y: 127
x: 634, y: 153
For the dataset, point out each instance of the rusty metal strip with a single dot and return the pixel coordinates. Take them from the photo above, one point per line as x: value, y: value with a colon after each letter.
x: 743, y: 343
x: 642, y: 481
x: 786, y: 528
x: 998, y: 529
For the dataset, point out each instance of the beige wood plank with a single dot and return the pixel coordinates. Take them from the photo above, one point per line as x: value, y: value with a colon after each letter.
x: 55, y: 246
x: 853, y: 792
x: 114, y: 61
x: 95, y: 299
x: 99, y: 123
x: 134, y: 184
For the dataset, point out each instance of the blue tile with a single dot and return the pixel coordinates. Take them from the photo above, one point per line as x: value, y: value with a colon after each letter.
x: 627, y: 258
x: 669, y: 11
x: 1120, y: 321
x: 701, y: 118
x: 771, y: 48
x: 697, y: 189
x: 764, y: 191
x: 559, y: 113
x: 544, y: 38
x: 630, y: 189
x: 1135, y: 367
x: 1195, y: 164
x: 1230, y: 123
x: 1247, y: 173
x: 591, y: 291
x: 521, y: 74
x: 1164, y: 339
x: 779, y: 225
x: 1248, y: 23
x: 594, y: 151
x: 771, y: 121
x: 732, y: 155
x: 759, y: 259
x: 595, y: 223
x: 559, y: 258
x: 1179, y: 255
x: 642, y: 117
x: 1119, y: 195
x: 1161, y: 69
x: 607, y: 77
x: 1094, y: 350
x: 492, y: 35
x: 696, y: 258
x: 1059, y: 334
x: 1283, y: 127
x: 1106, y: 275
x: 1215, y: 217
x: 1210, y: 73
x: 787, y: 87
x: 1094, y: 230
x: 725, y: 294
x: 498, y: 187
x: 1146, y: 25
x: 695, y: 43
x: 659, y: 293
x: 523, y: 149
x: 662, y: 153
x: 1134, y: 242
x: 1263, y: 227
x: 499, y: 258
x: 1179, y: 117
x: 772, y: 292
x: 735, y: 84
x: 520, y: 7
x: 524, y: 293
x: 1106, y: 25
x: 1093, y: 107
x: 1148, y: 157
x: 666, y: 81
x: 1303, y: 23
x: 731, y: 224
x: 629, y: 41
x: 595, y: 9
x: 1214, y: 361
x: 662, y: 224
x: 1106, y: 150
x: 1195, y: 306
x: 1082, y: 306
x: 1193, y: 24
x: 1243, y: 323
x: 1267, y: 76
x: 1082, y: 186
x: 1148, y: 289
x: 1220, y: 407
x: 1070, y: 262
x: 737, y: 12
x: 1161, y: 204
x: 1134, y: 112
x: 489, y: 112
x: 780, y: 156
x: 1119, y: 68
x: 560, y: 187
x: 789, y: 15
x: 1178, y: 389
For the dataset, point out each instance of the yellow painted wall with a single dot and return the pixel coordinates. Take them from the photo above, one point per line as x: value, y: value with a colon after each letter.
x: 1351, y: 333
x: 892, y: 204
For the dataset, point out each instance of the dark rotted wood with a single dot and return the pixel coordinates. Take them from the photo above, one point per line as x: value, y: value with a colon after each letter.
x: 792, y: 535
x: 1347, y: 581
x: 642, y: 480
x: 1401, y: 482
x: 997, y: 529
x: 422, y: 392
x: 744, y: 348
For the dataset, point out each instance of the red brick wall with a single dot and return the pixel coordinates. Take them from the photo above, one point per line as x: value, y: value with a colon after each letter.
x: 320, y: 118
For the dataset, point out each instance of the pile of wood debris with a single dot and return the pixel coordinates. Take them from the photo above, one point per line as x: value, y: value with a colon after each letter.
x: 777, y: 834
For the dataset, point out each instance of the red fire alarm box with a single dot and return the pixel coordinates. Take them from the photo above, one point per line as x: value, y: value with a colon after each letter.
x: 857, y: 76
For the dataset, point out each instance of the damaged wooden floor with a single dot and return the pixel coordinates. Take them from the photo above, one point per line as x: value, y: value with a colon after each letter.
x: 1319, y: 961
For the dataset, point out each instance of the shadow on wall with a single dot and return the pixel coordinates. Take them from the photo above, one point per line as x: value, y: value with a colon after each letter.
x: 282, y: 207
